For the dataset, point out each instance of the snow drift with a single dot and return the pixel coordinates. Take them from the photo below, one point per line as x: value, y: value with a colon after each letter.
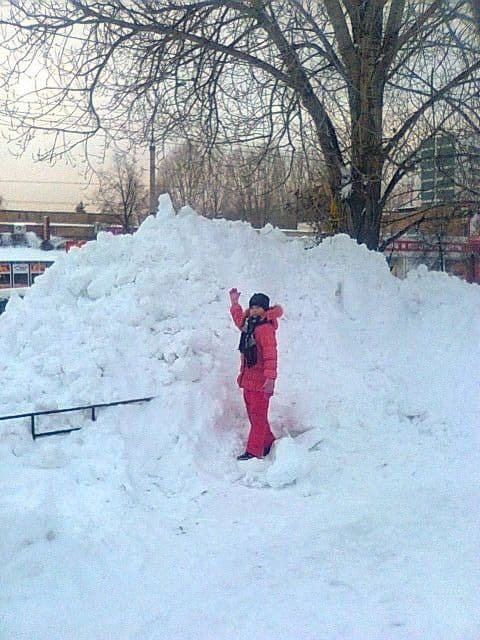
x: 377, y: 391
x: 147, y: 314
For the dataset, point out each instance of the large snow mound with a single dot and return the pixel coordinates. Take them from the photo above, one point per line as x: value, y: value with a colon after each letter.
x: 360, y: 351
x: 362, y: 524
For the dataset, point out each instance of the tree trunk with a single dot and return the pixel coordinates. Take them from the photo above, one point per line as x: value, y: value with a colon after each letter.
x: 360, y: 212
x: 360, y: 215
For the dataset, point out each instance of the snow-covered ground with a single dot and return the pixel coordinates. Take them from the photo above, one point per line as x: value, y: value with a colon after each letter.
x: 362, y: 524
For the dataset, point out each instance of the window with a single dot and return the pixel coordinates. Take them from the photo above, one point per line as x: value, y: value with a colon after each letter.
x: 20, y: 274
x: 5, y: 278
x: 36, y: 269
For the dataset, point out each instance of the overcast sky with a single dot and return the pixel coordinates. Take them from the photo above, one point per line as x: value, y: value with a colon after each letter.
x: 25, y: 184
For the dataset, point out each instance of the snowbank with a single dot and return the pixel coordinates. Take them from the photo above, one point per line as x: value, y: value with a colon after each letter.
x: 376, y: 400
x: 132, y: 316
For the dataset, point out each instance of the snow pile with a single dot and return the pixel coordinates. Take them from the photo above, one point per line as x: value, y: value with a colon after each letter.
x: 134, y: 316
x: 376, y: 410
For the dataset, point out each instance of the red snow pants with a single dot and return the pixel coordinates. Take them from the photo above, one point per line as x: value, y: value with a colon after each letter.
x: 260, y: 435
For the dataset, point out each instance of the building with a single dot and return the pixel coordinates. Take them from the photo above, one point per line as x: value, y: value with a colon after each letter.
x: 19, y: 268
x: 21, y: 263
x: 439, y: 233
x: 446, y: 239
x: 68, y: 225
x: 449, y: 169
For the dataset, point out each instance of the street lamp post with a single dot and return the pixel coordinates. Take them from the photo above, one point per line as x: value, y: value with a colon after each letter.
x: 153, y: 202
x: 153, y: 195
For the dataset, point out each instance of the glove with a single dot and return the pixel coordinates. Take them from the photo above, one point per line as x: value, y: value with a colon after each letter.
x: 234, y: 296
x: 269, y: 386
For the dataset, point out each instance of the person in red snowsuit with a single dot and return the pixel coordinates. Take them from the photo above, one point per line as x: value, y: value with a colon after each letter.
x: 258, y: 371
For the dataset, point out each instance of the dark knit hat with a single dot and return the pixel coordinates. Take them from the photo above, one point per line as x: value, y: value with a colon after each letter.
x: 259, y: 300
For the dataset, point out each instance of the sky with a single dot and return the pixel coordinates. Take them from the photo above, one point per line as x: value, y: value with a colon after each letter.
x: 362, y: 524
x: 34, y: 185
x: 26, y: 183
x: 30, y: 185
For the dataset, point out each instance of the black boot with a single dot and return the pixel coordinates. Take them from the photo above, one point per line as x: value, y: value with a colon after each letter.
x: 245, y: 456
x: 266, y: 450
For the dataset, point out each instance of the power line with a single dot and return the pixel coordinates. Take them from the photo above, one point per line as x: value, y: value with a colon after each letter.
x: 55, y: 182
x: 44, y: 202
x: 19, y: 201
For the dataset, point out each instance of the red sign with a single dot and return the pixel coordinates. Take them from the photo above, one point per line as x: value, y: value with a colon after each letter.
x: 74, y: 243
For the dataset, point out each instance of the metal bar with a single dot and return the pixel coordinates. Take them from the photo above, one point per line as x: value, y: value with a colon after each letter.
x: 87, y: 406
x: 32, y: 415
x: 52, y: 433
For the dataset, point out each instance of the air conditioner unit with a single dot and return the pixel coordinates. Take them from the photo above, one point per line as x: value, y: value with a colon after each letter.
x: 19, y: 228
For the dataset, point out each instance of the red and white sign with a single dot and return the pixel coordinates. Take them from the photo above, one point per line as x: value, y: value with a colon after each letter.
x: 419, y: 247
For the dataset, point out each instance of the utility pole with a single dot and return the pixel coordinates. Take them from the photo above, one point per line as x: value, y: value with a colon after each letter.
x: 153, y: 181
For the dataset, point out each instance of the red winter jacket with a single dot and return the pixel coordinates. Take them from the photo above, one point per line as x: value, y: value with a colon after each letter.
x: 253, y: 378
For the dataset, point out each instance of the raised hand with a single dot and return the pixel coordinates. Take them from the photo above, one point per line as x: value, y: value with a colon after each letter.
x: 234, y: 295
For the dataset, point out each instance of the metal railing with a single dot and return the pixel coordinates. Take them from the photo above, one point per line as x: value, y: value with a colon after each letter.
x: 93, y: 407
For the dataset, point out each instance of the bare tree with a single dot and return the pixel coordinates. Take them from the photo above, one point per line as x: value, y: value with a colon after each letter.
x: 271, y: 71
x: 123, y: 194
x: 475, y: 13
x: 193, y: 174
x: 241, y: 183
x: 256, y: 183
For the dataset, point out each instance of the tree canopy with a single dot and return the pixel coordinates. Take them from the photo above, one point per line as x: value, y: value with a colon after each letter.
x: 365, y: 82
